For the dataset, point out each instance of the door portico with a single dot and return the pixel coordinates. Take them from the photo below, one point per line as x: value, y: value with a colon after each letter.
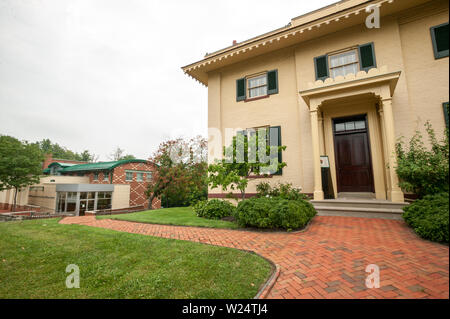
x: 364, y: 93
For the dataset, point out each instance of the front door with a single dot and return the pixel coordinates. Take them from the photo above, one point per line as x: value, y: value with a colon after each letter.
x: 353, y: 158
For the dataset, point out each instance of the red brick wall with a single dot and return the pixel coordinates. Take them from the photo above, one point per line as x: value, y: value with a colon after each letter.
x: 137, y: 189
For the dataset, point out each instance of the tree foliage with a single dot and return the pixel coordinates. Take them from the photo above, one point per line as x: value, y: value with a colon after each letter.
x: 48, y: 147
x: 180, y: 176
x: 424, y: 170
x: 20, y: 164
x: 238, y: 163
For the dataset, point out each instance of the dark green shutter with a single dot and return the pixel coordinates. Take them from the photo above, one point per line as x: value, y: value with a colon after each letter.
x: 275, y: 140
x: 440, y: 39
x: 241, y: 90
x: 446, y: 111
x: 367, y: 59
x: 272, y: 82
x: 321, y: 67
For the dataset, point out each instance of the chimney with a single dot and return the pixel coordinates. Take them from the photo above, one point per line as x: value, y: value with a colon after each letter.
x: 47, y: 161
x: 234, y: 42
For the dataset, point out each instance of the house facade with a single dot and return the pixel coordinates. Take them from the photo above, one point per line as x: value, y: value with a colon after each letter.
x: 335, y: 88
x: 76, y: 188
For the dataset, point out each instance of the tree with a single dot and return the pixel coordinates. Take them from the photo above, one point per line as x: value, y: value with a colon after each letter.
x: 57, y: 151
x: 247, y: 154
x: 180, y: 177
x: 20, y: 164
x: 118, y: 155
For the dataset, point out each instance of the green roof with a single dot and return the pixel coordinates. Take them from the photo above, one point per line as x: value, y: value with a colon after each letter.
x: 63, y: 165
x: 101, y: 166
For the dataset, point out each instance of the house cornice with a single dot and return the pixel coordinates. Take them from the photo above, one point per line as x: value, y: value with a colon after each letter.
x: 293, y: 34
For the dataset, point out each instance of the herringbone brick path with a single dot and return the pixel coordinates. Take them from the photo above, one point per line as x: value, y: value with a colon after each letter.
x: 329, y: 259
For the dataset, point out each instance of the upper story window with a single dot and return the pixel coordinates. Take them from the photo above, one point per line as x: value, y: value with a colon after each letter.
x: 96, y: 176
x: 439, y: 36
x: 129, y: 176
x: 149, y: 176
x: 140, y: 177
x: 344, y: 63
x: 105, y: 176
x: 256, y: 86
x: 352, y: 60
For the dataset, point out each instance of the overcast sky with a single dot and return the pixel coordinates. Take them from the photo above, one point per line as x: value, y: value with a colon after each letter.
x: 97, y: 74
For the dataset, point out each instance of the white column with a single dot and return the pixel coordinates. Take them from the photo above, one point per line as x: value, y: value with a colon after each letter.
x: 396, y: 192
x: 318, y: 192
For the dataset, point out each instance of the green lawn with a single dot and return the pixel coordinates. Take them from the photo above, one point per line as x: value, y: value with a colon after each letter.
x: 35, y: 254
x: 183, y: 216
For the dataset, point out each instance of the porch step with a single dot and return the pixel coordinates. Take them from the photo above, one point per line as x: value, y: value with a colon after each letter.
x: 359, y: 208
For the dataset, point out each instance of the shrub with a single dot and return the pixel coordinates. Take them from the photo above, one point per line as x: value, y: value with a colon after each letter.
x: 421, y: 170
x: 274, y: 213
x: 285, y: 191
x: 214, y: 209
x: 429, y: 217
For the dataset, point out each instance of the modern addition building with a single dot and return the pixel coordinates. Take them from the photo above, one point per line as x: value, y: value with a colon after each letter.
x: 76, y: 188
x: 333, y: 88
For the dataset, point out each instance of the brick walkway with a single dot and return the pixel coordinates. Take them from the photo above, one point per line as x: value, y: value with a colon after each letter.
x: 329, y: 259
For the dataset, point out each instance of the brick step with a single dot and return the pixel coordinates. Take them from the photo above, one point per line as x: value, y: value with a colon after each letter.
x: 359, y: 208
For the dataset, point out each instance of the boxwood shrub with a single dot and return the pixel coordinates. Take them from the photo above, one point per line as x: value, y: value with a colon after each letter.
x: 429, y: 217
x: 214, y: 209
x: 274, y: 213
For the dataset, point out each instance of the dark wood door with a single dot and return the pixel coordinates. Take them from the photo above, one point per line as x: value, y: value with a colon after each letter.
x: 353, y: 159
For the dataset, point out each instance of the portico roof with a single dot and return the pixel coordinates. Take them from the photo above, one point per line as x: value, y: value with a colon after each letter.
x: 352, y: 83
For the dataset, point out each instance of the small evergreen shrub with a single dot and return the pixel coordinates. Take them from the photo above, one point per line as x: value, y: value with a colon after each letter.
x: 429, y: 217
x: 274, y: 213
x: 214, y: 209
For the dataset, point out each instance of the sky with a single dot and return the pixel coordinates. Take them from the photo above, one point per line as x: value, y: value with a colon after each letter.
x: 100, y: 74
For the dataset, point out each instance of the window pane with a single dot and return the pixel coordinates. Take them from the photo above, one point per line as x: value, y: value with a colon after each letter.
x: 349, y: 126
x: 140, y: 177
x: 359, y: 125
x: 340, y: 127
x: 83, y: 195
x: 257, y: 81
x: 149, y: 176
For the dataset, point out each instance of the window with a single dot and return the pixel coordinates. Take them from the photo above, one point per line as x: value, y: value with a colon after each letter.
x: 344, y: 63
x: 140, y: 177
x: 352, y: 60
x: 104, y: 200
x: 105, y: 176
x: 129, y: 176
x: 439, y: 37
x: 273, y: 139
x: 257, y: 86
x: 96, y: 176
x: 149, y: 176
x: 353, y: 125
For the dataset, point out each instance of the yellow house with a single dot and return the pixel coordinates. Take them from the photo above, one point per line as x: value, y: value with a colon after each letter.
x: 340, y: 84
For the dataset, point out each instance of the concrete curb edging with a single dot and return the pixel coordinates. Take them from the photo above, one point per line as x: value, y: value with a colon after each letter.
x: 265, y: 290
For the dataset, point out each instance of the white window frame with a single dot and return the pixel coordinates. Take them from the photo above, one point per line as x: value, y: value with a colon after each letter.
x: 105, y: 176
x: 149, y: 176
x: 331, y: 55
x: 126, y: 176
x: 249, y: 78
x: 95, y: 176
x: 141, y: 179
